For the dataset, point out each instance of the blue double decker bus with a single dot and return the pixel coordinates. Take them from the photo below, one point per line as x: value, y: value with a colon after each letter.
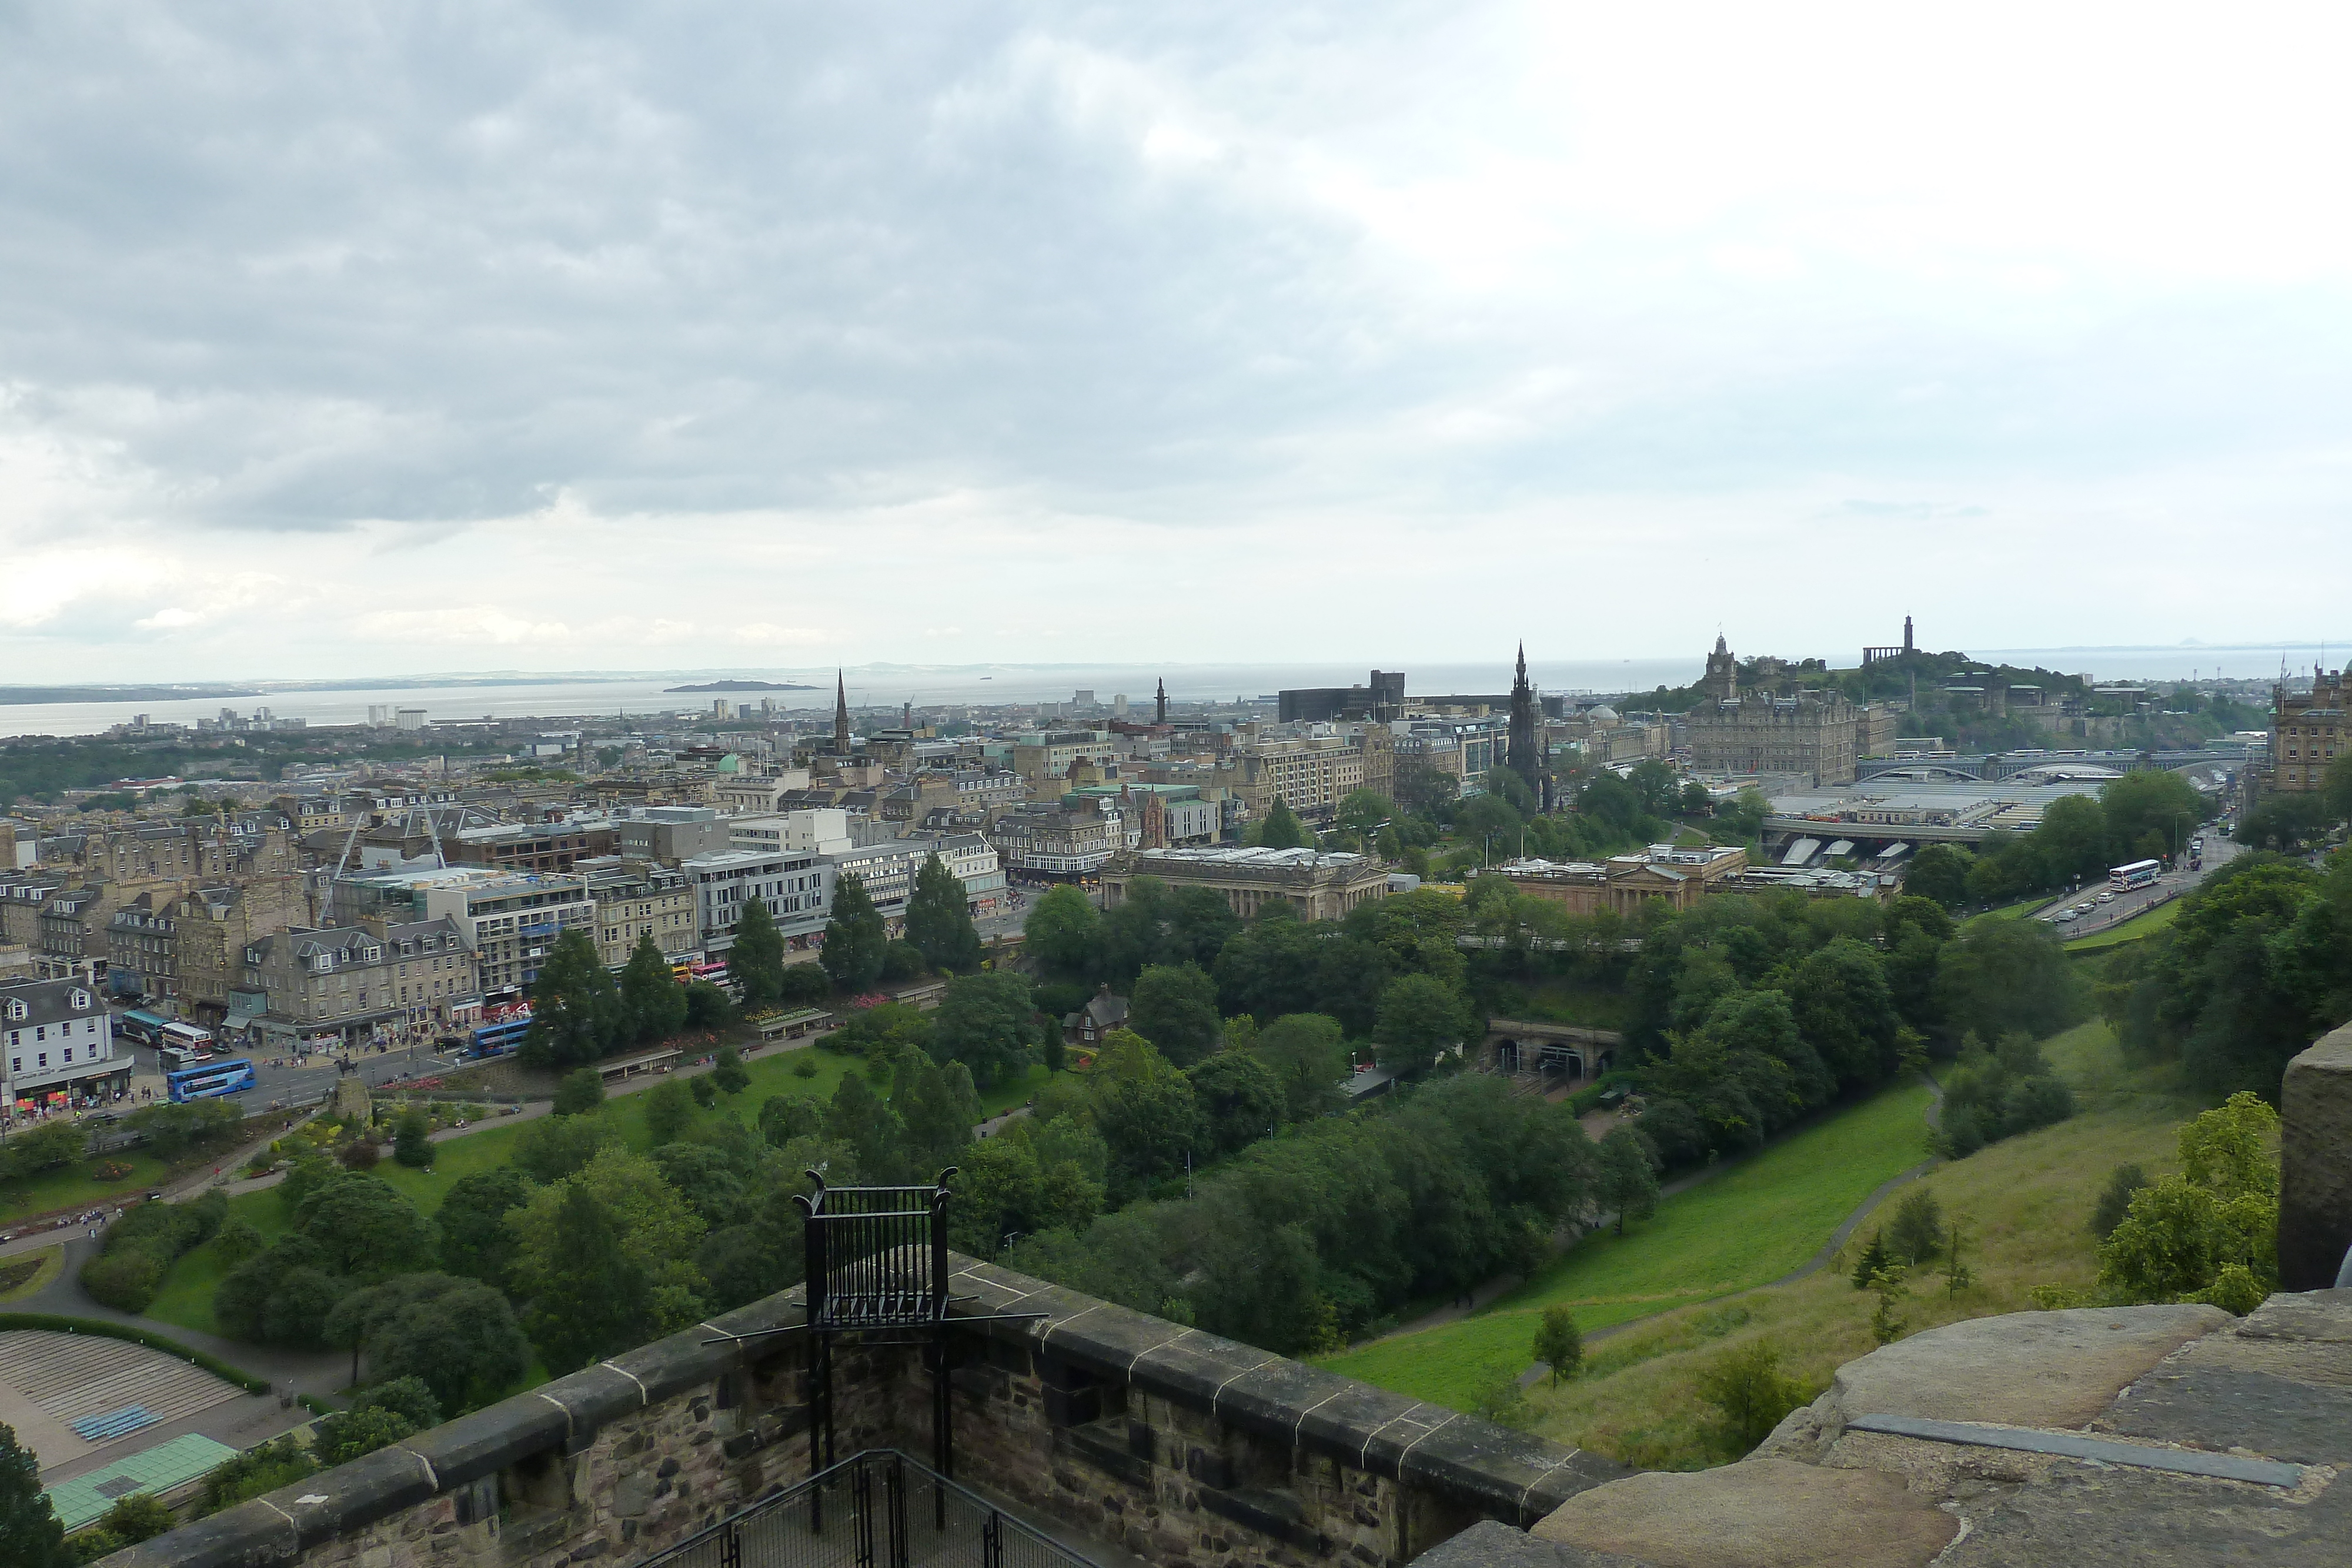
x: 498, y: 1039
x: 211, y: 1079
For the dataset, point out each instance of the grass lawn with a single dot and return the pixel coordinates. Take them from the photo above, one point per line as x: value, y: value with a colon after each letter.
x: 30, y: 1273
x: 1751, y: 1225
x: 2023, y: 1206
x: 78, y: 1186
x: 2131, y: 930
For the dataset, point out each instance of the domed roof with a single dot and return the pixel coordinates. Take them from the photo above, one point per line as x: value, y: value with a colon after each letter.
x: 1604, y: 714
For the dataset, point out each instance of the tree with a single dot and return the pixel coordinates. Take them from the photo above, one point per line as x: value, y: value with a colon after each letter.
x: 883, y: 1031
x: 939, y: 1107
x: 1873, y: 1262
x: 1749, y: 1393
x: 655, y: 1229
x: 553, y: 1148
x: 591, y: 1300
x: 855, y: 936
x: 576, y: 1009
x: 412, y: 1140
x: 363, y: 1229
x: 2150, y: 812
x: 653, y: 1004
x: 872, y: 1131
x: 727, y: 1073
x: 984, y: 1021
x: 1308, y: 1059
x: 47, y: 1146
x: 1917, y: 1232
x: 1941, y: 874
x: 1559, y: 1344
x: 1175, y: 1008
x: 2210, y: 1233
x: 2002, y: 977
x: 1064, y: 933
x: 756, y: 960
x: 472, y: 1222
x: 939, y: 920
x: 1281, y: 830
x: 708, y: 1006
x: 581, y: 1089
x: 454, y: 1338
x: 141, y: 1516
x: 1628, y: 1174
x: 30, y: 1536
x: 783, y: 1117
x: 669, y: 1109
x: 1845, y: 1012
x: 1418, y: 1018
x: 1240, y: 1098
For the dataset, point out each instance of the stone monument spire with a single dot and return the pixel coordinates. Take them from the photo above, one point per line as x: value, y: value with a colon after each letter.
x: 840, y: 715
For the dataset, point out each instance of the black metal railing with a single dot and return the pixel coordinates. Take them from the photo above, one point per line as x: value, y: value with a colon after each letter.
x: 875, y: 1510
x: 876, y: 1255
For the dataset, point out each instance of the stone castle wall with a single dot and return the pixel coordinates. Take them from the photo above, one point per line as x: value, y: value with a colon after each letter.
x: 1180, y: 1446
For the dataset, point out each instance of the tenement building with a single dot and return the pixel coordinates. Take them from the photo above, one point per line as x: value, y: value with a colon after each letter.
x: 1316, y: 884
x: 59, y: 1044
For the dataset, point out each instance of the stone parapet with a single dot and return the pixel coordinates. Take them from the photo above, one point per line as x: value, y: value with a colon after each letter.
x: 2315, y: 1241
x: 1182, y: 1448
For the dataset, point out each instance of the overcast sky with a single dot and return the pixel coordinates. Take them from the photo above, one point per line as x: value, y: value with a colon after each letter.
x: 348, y: 338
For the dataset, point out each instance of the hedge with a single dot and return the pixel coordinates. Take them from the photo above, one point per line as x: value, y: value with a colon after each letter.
x: 58, y: 1323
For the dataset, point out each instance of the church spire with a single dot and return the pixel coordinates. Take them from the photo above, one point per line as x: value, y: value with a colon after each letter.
x: 840, y: 714
x: 1160, y: 713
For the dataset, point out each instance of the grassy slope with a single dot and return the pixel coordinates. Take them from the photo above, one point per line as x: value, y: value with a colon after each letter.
x: 2023, y: 1206
x: 2131, y: 930
x: 1752, y: 1224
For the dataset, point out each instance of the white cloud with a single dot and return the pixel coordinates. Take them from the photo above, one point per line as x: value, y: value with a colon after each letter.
x: 342, y: 340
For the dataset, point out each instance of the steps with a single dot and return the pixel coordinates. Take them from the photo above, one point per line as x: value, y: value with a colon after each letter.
x: 105, y: 1389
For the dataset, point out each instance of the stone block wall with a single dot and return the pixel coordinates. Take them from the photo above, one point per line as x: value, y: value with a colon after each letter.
x: 1180, y: 1446
x: 2315, y: 1165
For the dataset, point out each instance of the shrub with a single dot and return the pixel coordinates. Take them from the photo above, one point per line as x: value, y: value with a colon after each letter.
x: 580, y: 1090
x: 1749, y: 1393
x: 804, y: 1066
x: 359, y: 1155
x: 412, y: 1145
x: 125, y: 1281
x: 278, y: 1462
x: 705, y: 1092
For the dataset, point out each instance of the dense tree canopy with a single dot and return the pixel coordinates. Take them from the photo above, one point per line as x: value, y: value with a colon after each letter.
x: 939, y: 920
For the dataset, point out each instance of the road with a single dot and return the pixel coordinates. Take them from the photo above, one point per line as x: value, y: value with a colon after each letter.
x: 2219, y: 852
x: 297, y: 1080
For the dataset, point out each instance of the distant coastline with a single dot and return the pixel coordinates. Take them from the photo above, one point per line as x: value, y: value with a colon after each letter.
x: 742, y: 687
x: 25, y: 697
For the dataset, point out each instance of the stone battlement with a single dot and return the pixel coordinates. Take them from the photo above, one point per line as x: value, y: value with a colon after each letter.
x: 1175, y: 1445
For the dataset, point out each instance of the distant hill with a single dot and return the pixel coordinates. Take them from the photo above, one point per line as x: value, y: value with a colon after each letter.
x: 743, y: 686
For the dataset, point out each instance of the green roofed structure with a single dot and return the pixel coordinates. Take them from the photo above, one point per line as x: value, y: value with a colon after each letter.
x: 157, y: 1472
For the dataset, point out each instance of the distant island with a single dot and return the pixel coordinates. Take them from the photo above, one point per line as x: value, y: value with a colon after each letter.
x: 742, y: 687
